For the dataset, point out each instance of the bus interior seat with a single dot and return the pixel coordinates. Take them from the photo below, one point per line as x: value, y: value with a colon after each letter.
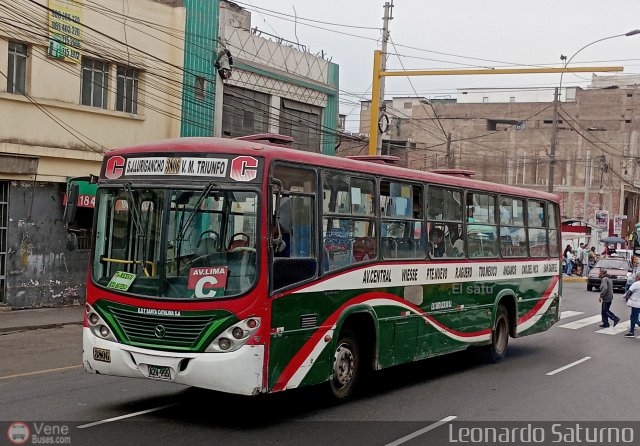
x: 406, y: 248
x: 389, y: 247
x: 205, y: 247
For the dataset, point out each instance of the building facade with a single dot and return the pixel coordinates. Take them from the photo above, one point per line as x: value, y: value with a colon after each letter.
x: 80, y: 78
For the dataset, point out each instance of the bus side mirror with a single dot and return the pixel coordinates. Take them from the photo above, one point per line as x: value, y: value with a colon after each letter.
x: 70, y: 208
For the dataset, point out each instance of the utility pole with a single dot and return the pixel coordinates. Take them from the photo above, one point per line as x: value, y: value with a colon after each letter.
x: 587, y: 185
x: 388, y: 15
x: 554, y: 139
x: 449, y: 157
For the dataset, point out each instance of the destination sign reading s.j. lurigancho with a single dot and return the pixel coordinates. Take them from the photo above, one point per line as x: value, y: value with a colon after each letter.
x: 210, y: 167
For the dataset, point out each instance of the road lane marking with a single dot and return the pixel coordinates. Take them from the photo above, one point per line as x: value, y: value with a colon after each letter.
x: 424, y: 430
x: 123, y: 417
x: 622, y: 326
x: 40, y: 372
x: 566, y: 314
x: 579, y: 361
x: 582, y: 322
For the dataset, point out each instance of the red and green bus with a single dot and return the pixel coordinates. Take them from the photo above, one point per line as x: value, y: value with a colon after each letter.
x: 247, y: 267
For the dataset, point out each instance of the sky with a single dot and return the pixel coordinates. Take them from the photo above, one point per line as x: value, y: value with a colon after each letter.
x: 472, y: 33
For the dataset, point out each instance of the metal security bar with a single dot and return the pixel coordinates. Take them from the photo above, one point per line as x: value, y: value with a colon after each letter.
x: 4, y: 221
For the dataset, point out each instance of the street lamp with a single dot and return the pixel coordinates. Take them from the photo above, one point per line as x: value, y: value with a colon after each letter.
x: 554, y: 129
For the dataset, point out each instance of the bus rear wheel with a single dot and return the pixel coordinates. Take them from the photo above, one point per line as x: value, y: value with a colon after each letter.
x: 497, y: 350
x: 346, y: 365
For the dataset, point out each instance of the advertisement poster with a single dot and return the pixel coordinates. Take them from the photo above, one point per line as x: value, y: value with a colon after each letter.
x: 602, y: 219
x: 617, y: 223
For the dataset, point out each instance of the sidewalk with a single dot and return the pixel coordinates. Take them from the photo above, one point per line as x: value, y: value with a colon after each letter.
x: 19, y: 320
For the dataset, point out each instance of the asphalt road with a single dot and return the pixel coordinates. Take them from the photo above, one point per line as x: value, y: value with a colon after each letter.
x: 570, y: 374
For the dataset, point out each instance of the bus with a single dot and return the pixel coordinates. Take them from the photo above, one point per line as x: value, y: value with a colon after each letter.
x: 246, y: 267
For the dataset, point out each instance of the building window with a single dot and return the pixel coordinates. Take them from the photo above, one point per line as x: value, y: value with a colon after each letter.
x: 127, y: 90
x: 17, y: 71
x: 302, y: 122
x: 244, y: 112
x: 408, y: 105
x: 512, y: 99
x: 199, y: 88
x: 95, y: 83
x: 485, y: 99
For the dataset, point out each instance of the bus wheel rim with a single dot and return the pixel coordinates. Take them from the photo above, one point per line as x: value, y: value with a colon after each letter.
x: 344, y: 365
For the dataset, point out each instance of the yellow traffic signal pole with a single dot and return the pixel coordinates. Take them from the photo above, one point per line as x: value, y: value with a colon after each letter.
x: 378, y: 74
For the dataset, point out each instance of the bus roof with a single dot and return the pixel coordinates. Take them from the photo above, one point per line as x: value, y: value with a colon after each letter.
x: 271, y: 152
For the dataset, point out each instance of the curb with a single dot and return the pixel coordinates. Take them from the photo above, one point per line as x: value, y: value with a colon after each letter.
x: 7, y: 330
x: 574, y: 279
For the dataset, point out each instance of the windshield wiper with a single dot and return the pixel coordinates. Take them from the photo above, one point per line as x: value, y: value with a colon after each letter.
x: 137, y: 222
x: 196, y: 207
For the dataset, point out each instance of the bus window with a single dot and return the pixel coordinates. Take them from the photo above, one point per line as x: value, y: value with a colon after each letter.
x: 445, y: 229
x: 513, y: 239
x: 554, y: 247
x: 401, y: 227
x: 294, y: 257
x: 444, y: 204
x: 348, y: 220
x: 537, y: 229
x: 481, y: 225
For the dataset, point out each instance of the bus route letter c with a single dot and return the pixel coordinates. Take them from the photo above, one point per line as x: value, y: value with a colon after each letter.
x: 244, y: 168
x: 206, y: 280
x: 114, y: 167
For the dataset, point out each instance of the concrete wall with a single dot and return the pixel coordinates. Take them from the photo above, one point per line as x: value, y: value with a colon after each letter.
x: 40, y: 269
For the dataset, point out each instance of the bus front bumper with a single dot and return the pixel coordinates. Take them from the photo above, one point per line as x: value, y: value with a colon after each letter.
x: 238, y: 372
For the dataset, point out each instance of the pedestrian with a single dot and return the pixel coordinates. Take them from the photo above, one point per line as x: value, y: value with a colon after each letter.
x: 578, y: 259
x: 633, y: 300
x: 593, y: 257
x: 569, y: 258
x: 606, y: 297
x: 586, y: 267
x: 632, y: 276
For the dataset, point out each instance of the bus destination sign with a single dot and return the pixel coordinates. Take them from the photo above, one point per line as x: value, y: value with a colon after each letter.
x: 243, y: 168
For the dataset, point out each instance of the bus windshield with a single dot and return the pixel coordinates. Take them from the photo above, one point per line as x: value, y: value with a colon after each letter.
x: 176, y: 243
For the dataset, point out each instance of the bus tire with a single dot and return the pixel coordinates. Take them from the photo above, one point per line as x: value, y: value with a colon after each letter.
x: 345, y: 367
x: 589, y: 287
x: 497, y: 350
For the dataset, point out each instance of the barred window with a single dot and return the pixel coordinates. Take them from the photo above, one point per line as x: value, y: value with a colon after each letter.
x: 17, y: 69
x: 127, y: 90
x: 95, y: 83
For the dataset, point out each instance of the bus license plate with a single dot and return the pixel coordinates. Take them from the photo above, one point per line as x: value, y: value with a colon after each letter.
x: 101, y: 354
x: 159, y: 371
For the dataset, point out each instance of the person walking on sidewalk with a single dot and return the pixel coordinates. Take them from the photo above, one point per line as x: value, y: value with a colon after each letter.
x: 633, y: 300
x: 606, y: 297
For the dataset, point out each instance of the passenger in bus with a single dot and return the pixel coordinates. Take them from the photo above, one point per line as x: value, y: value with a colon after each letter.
x: 282, y: 232
x: 436, y: 243
x: 454, y: 244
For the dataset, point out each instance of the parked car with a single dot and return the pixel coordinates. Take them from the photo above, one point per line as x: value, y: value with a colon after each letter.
x: 618, y: 268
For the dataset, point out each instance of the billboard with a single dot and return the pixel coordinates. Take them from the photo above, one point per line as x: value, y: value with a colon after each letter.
x: 65, y: 30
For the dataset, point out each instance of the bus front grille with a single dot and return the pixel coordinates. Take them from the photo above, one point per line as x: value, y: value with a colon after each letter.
x: 166, y: 331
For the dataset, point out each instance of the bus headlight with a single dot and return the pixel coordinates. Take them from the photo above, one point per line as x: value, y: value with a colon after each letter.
x: 235, y: 336
x: 98, y: 326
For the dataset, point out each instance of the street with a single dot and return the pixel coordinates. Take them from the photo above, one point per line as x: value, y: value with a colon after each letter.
x: 575, y: 372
